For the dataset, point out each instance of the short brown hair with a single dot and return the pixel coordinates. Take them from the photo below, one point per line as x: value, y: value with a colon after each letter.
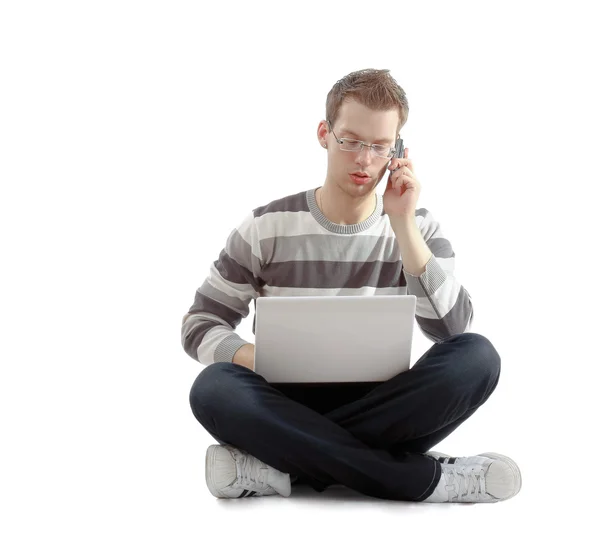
x: 373, y: 88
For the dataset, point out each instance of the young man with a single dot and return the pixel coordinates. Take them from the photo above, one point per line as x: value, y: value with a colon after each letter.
x: 344, y: 238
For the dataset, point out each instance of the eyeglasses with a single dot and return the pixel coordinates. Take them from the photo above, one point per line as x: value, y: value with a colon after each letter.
x: 355, y: 145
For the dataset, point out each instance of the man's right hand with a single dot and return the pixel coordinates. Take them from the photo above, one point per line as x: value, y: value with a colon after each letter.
x: 244, y: 356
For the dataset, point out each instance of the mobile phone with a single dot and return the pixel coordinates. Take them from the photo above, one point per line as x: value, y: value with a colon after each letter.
x: 399, y: 148
x: 398, y: 154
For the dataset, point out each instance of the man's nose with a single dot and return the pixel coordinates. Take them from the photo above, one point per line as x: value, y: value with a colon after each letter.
x: 364, y: 156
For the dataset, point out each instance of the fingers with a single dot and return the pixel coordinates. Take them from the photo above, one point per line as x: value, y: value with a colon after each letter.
x: 397, y: 162
x: 399, y: 178
x: 396, y: 182
x: 402, y: 170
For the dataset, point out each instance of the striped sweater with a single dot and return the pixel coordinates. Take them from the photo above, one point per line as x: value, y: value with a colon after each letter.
x: 289, y: 248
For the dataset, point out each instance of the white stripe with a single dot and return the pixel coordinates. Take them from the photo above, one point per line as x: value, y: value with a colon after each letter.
x: 287, y: 224
x: 247, y: 231
x: 444, y: 298
x: 280, y: 291
x: 245, y: 292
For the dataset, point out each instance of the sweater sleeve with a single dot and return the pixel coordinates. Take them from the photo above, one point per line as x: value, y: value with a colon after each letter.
x: 444, y: 306
x: 220, y: 304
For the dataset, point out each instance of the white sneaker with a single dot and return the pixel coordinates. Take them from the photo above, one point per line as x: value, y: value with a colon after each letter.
x: 233, y: 473
x: 484, y: 478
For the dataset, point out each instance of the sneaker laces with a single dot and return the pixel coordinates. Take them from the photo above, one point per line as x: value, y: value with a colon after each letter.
x: 466, y: 481
x: 251, y: 473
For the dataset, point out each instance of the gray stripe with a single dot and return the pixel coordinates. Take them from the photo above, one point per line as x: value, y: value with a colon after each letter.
x: 232, y: 271
x: 456, y: 321
x: 296, y: 202
x: 240, y: 251
x: 204, y: 303
x: 192, y: 333
x: 338, y: 248
x: 234, y: 303
x: 326, y: 274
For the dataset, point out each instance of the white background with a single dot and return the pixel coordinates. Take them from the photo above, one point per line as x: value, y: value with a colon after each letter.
x: 135, y: 135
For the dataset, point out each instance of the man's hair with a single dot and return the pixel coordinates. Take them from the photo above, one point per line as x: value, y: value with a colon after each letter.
x: 373, y: 88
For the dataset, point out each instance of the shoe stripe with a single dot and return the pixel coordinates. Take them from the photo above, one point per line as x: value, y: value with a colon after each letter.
x: 243, y: 494
x: 251, y: 494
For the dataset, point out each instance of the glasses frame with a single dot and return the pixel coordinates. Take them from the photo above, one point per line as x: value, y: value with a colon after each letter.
x: 362, y: 145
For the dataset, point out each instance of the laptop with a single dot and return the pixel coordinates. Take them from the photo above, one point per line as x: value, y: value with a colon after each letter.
x: 333, y: 339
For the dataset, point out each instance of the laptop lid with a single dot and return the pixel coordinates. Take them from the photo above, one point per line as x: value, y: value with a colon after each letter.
x: 324, y: 339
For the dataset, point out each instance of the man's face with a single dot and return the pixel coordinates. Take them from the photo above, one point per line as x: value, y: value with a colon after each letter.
x: 356, y: 121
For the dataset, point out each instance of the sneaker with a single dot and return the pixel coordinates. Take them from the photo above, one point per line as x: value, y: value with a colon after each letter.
x: 484, y: 478
x: 233, y: 473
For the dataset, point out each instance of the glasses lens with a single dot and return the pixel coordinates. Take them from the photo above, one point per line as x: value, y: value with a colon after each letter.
x: 350, y: 144
x: 382, y: 151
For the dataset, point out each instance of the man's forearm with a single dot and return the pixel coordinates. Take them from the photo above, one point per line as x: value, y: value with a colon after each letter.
x: 244, y: 356
x: 413, y: 249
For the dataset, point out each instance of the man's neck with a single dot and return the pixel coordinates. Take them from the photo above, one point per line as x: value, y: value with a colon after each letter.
x: 341, y: 209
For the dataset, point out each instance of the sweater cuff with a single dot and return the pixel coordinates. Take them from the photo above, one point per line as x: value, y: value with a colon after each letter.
x: 430, y: 280
x: 227, y: 348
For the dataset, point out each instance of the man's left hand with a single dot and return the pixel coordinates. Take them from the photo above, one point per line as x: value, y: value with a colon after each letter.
x: 402, y: 190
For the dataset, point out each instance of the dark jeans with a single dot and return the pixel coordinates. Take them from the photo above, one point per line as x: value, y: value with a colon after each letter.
x: 370, y: 437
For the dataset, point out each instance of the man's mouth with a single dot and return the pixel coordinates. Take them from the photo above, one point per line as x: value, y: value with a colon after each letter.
x: 360, y: 178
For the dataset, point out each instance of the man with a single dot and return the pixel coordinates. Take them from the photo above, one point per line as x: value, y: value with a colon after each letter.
x: 344, y: 238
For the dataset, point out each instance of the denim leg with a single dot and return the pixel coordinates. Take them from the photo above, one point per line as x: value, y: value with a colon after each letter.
x: 415, y: 410
x: 239, y: 407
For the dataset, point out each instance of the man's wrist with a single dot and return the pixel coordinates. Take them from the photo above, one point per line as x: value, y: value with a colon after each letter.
x: 244, y: 356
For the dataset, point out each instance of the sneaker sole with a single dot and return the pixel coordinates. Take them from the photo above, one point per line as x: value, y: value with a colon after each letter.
x: 513, y: 466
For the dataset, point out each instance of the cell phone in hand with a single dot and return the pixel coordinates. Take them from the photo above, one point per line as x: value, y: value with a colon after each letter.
x: 399, y: 148
x: 398, y: 154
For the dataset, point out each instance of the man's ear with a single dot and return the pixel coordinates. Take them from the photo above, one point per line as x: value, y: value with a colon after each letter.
x: 322, y: 130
